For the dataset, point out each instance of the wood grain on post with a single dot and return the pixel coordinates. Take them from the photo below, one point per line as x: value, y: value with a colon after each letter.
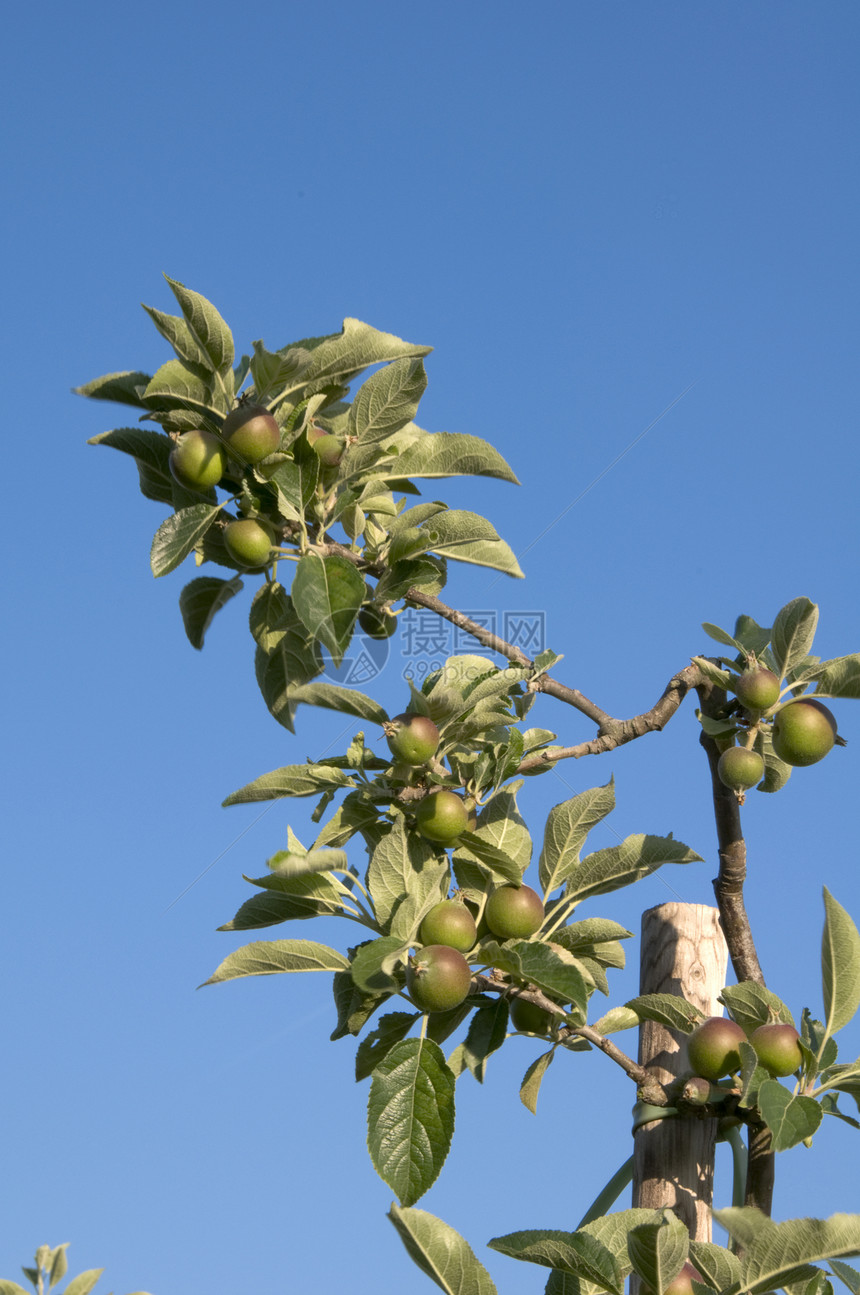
x: 683, y: 952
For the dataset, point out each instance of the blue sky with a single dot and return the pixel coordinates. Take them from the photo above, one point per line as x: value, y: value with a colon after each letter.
x: 595, y: 213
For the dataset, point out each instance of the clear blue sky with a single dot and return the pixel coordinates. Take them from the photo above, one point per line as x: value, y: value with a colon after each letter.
x: 587, y: 209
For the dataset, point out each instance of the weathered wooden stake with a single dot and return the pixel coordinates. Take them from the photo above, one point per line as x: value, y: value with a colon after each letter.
x: 683, y: 952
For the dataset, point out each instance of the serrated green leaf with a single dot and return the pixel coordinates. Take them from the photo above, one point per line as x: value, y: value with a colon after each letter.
x: 531, y: 962
x: 792, y: 634
x: 391, y: 1028
x: 410, y: 1117
x: 567, y: 827
x: 620, y: 865
x: 212, y: 338
x: 658, y: 1251
x: 450, y: 454
x: 532, y: 1080
x: 850, y: 1276
x: 287, y: 899
x: 84, y: 1282
x: 466, y: 537
x: 721, y: 636
x: 200, y: 600
x: 500, y: 824
x: 578, y: 1253
x: 292, y: 780
x: 125, y: 388
x: 617, y: 1018
x: 58, y: 1265
x: 715, y: 674
x: 177, y: 536
x: 667, y: 1009
x: 752, y: 636
x: 475, y: 848
x: 354, y: 1009
x: 348, y: 701
x: 718, y: 1266
x: 441, y: 1253
x: 406, y: 875
x: 777, y: 1254
x: 327, y: 593
x: 374, y: 965
x: 271, y: 957
x: 387, y: 401
x: 486, y: 1034
x: 840, y: 965
x: 752, y: 1005
x: 790, y: 1119
x: 180, y: 385
x: 838, y: 678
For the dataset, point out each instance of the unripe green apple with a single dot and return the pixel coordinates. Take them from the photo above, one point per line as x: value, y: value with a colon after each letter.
x: 251, y: 433
x: 758, y: 688
x: 777, y: 1046
x: 248, y: 542
x: 682, y: 1283
x: 438, y: 978
x: 329, y: 450
x: 198, y: 461
x: 451, y: 923
x: 377, y: 622
x: 803, y: 732
x: 412, y: 739
x: 441, y: 817
x: 514, y: 912
x: 740, y: 768
x: 529, y: 1017
x: 712, y: 1048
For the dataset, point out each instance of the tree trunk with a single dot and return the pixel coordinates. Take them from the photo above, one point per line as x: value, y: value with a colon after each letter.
x: 683, y: 953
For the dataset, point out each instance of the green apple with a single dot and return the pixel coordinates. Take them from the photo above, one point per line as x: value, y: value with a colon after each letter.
x: 514, y: 912
x: 803, y: 732
x: 441, y: 817
x: 449, y: 922
x: 197, y: 460
x: 777, y: 1046
x: 757, y: 689
x: 740, y: 768
x: 248, y: 542
x: 438, y: 978
x: 251, y: 433
x: 412, y: 739
x: 712, y: 1048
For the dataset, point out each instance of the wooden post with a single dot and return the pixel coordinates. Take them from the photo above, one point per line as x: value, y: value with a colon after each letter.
x: 683, y: 952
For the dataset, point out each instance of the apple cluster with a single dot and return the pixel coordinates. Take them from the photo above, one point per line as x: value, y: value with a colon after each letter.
x: 803, y: 730
x: 713, y: 1048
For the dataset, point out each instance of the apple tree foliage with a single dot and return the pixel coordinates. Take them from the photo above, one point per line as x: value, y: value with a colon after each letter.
x: 351, y: 536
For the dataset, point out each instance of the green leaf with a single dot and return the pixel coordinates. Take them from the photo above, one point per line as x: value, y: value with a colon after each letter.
x: 752, y: 1005
x: 450, y: 454
x: 718, y: 1266
x: 721, y: 636
x: 354, y: 1009
x: 751, y: 636
x: 292, y: 780
x: 286, y: 899
x: 180, y: 385
x: 567, y: 827
x: 295, y: 865
x: 466, y: 537
x: 200, y: 600
x: 124, y: 388
x: 790, y: 1119
x: 441, y: 1253
x: 391, y: 1028
x: 84, y: 1282
x: 667, y: 1009
x: 410, y: 1117
x: 486, y: 1034
x: 620, y: 865
x: 532, y: 1080
x: 840, y: 965
x: 474, y: 848
x: 374, y: 965
x: 177, y: 536
x: 585, y: 935
x: 723, y: 679
x: 59, y: 1264
x: 387, y: 401
x: 212, y: 338
x: 348, y: 701
x: 270, y: 957
x: 327, y: 593
x: 501, y: 825
x: 339, y: 358
x: 532, y: 962
x: 578, y: 1253
x: 151, y: 452
x: 838, y: 678
x: 617, y: 1018
x: 792, y: 634
x: 658, y: 1251
x: 406, y: 876
x: 9, y: 1287
x: 777, y: 1254
x: 850, y: 1276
